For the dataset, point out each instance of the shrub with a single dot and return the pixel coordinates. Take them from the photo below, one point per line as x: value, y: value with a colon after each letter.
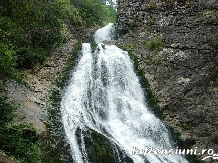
x: 18, y: 141
x: 155, y: 44
x: 33, y: 28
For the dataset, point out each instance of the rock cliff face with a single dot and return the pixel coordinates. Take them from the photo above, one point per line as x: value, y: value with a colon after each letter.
x: 183, y: 74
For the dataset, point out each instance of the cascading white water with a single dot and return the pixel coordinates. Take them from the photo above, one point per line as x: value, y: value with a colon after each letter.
x: 105, y: 33
x: 104, y: 95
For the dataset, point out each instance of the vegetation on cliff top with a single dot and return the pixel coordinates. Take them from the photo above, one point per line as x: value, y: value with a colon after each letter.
x: 31, y: 29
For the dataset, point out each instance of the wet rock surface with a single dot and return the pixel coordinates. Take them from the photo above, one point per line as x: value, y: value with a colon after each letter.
x: 184, y: 74
x: 101, y: 149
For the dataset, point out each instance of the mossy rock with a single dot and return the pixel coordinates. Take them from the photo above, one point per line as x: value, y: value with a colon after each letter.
x: 100, y: 149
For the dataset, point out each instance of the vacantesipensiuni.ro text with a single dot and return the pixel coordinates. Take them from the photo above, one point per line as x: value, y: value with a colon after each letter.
x: 208, y: 153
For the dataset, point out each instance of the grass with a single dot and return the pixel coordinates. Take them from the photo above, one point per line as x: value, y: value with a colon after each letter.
x: 155, y: 44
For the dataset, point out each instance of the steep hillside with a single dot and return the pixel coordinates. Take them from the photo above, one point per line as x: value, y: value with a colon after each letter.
x: 37, y: 44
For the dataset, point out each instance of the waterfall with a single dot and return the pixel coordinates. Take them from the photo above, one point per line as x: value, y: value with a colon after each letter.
x: 104, y: 95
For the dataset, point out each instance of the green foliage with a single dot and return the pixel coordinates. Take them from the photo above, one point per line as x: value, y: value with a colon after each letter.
x: 31, y: 29
x: 186, y: 126
x: 94, y: 12
x: 19, y: 141
x: 100, y: 149
x: 6, y: 110
x: 128, y: 47
x: 7, y: 50
x: 7, y: 63
x: 155, y: 44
